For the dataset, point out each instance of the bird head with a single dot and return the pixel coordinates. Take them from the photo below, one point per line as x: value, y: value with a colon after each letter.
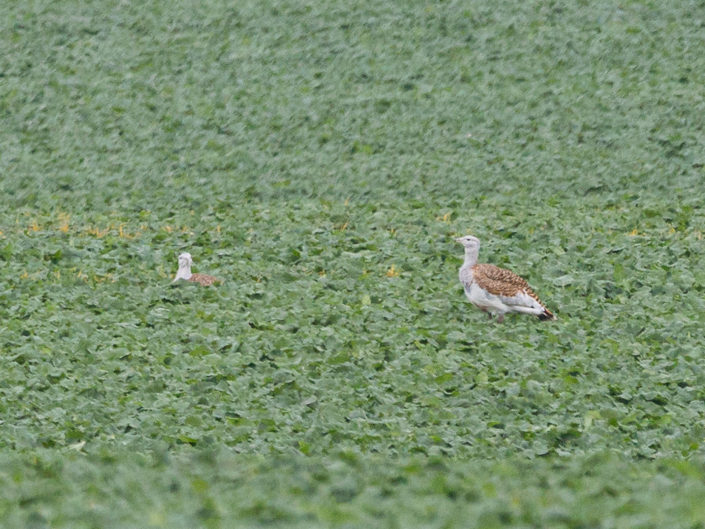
x: 469, y: 241
x: 185, y: 260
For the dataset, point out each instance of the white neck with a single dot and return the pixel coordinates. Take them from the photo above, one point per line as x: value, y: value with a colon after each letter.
x: 471, y: 256
x: 184, y: 272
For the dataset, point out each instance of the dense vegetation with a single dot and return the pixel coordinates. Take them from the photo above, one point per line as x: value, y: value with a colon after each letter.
x: 321, y: 156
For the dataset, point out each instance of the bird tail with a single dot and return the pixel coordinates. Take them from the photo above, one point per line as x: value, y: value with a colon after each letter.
x: 547, y: 315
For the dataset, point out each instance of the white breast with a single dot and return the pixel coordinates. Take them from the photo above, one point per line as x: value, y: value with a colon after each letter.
x: 483, y: 299
x: 465, y: 275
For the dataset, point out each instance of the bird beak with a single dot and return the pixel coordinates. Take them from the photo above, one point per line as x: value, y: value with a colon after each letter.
x: 458, y: 239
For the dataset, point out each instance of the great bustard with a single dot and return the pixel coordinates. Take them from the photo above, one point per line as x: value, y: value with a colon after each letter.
x: 184, y: 272
x: 496, y: 290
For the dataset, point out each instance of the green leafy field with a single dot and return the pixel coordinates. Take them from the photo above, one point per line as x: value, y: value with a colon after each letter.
x: 321, y: 156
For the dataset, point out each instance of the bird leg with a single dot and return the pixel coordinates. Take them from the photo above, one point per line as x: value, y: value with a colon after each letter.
x: 484, y: 309
x: 500, y: 318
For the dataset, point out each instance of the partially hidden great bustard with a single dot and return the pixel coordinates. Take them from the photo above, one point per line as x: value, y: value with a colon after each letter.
x: 496, y: 290
x: 184, y: 272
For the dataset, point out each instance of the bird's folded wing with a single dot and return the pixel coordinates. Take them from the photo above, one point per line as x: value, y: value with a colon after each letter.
x: 511, y: 288
x: 204, y: 279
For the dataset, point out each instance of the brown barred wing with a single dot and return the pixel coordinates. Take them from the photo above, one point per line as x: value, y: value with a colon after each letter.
x: 204, y: 279
x: 511, y: 288
x: 498, y: 281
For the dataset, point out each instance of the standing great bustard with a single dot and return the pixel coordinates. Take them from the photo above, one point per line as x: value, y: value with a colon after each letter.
x: 184, y: 272
x: 497, y: 290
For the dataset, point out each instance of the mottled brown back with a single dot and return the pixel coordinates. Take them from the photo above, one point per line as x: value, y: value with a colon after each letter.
x: 204, y: 279
x: 498, y: 281
x: 503, y: 282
